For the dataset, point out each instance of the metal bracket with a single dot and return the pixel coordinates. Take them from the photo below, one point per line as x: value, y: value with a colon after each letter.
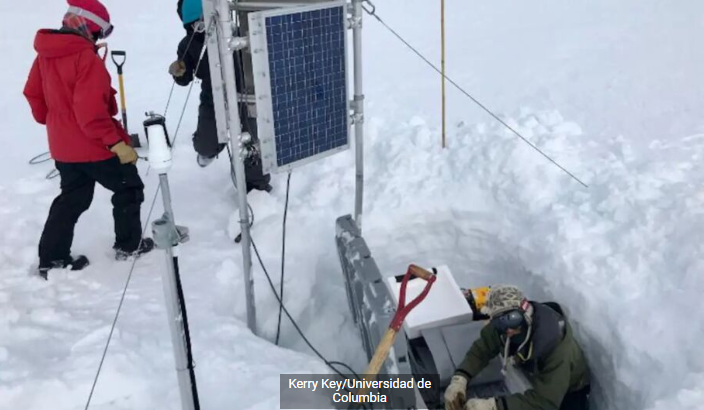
x: 245, y: 138
x: 356, y: 106
x: 199, y: 26
x: 247, y: 98
x: 238, y: 43
x: 357, y: 103
x: 357, y: 118
x: 166, y: 234
x: 354, y: 22
x: 263, y: 5
x: 371, y: 12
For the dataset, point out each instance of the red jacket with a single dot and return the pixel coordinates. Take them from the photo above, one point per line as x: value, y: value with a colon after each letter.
x: 69, y: 91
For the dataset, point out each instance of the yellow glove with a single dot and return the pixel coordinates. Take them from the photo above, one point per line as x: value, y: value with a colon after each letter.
x: 125, y: 153
x: 456, y: 393
x: 177, y: 68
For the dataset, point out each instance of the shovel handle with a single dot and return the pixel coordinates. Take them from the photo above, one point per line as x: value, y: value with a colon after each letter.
x: 119, y: 53
x: 404, y: 309
x: 382, y: 351
x: 384, y: 346
x: 419, y: 272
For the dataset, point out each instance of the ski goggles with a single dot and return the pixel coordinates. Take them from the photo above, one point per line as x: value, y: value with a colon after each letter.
x: 105, y: 27
x: 509, y: 320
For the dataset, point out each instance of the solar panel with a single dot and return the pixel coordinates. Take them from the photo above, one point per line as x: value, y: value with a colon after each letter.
x: 299, y: 62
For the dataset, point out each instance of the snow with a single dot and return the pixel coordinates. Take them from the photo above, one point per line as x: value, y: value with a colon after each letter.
x: 610, y: 90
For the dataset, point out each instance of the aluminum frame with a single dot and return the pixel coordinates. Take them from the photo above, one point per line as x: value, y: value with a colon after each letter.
x: 223, y: 46
x: 216, y: 78
x: 262, y: 85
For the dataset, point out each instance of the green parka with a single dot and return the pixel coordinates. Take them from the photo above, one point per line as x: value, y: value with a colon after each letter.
x: 555, y: 364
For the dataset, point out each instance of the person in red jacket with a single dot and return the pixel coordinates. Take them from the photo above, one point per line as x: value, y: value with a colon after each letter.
x: 69, y: 90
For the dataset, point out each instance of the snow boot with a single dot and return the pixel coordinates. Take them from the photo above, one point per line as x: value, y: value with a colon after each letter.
x: 77, y: 263
x: 145, y: 246
x: 204, y: 161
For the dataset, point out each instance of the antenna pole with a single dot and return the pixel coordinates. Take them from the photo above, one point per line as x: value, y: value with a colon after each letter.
x: 358, y: 106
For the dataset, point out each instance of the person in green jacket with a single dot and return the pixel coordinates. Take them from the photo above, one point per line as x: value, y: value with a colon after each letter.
x: 539, y: 340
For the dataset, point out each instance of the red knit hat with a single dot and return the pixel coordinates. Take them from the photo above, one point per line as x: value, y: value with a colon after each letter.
x: 92, y: 13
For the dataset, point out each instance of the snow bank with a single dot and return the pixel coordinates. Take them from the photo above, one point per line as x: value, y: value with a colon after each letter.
x: 623, y: 255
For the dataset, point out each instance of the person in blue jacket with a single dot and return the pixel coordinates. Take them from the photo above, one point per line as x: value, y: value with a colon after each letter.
x: 183, y: 70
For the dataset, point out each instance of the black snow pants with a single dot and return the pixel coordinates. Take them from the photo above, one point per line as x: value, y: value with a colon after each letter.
x: 77, y: 186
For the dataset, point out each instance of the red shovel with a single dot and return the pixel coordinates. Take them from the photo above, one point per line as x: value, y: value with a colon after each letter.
x: 382, y: 350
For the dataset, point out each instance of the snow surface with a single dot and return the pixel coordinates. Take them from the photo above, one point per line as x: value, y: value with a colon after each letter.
x: 611, y: 90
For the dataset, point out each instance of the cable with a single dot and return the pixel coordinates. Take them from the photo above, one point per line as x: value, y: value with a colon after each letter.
x: 173, y: 83
x: 283, y: 256
x: 372, y: 13
x: 119, y: 308
x: 185, y: 104
x: 328, y: 363
x: 282, y: 307
x: 36, y: 161
x: 186, y: 333
x: 295, y: 325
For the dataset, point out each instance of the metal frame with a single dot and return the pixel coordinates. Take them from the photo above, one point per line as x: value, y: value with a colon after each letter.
x: 372, y: 307
x: 264, y: 5
x: 262, y: 85
x: 167, y: 236
x: 224, y: 46
x: 357, y: 18
x: 217, y: 85
x: 220, y: 26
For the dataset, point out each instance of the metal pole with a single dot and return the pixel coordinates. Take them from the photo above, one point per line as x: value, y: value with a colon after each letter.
x: 358, y: 112
x: 442, y: 61
x: 166, y: 235
x: 226, y: 34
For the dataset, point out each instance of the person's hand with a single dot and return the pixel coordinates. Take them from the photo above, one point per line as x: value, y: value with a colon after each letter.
x: 481, y: 404
x: 456, y: 393
x: 125, y: 153
x: 177, y: 68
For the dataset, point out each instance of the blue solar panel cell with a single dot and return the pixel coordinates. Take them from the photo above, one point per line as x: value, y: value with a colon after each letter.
x: 307, y: 71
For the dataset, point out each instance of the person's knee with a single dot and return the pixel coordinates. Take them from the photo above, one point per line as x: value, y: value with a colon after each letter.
x: 75, y: 201
x: 85, y: 201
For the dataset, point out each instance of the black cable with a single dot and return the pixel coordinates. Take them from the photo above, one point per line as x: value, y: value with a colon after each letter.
x: 283, y: 256
x: 187, y: 334
x: 283, y: 307
x: 36, y: 161
x: 293, y: 322
x: 119, y: 306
